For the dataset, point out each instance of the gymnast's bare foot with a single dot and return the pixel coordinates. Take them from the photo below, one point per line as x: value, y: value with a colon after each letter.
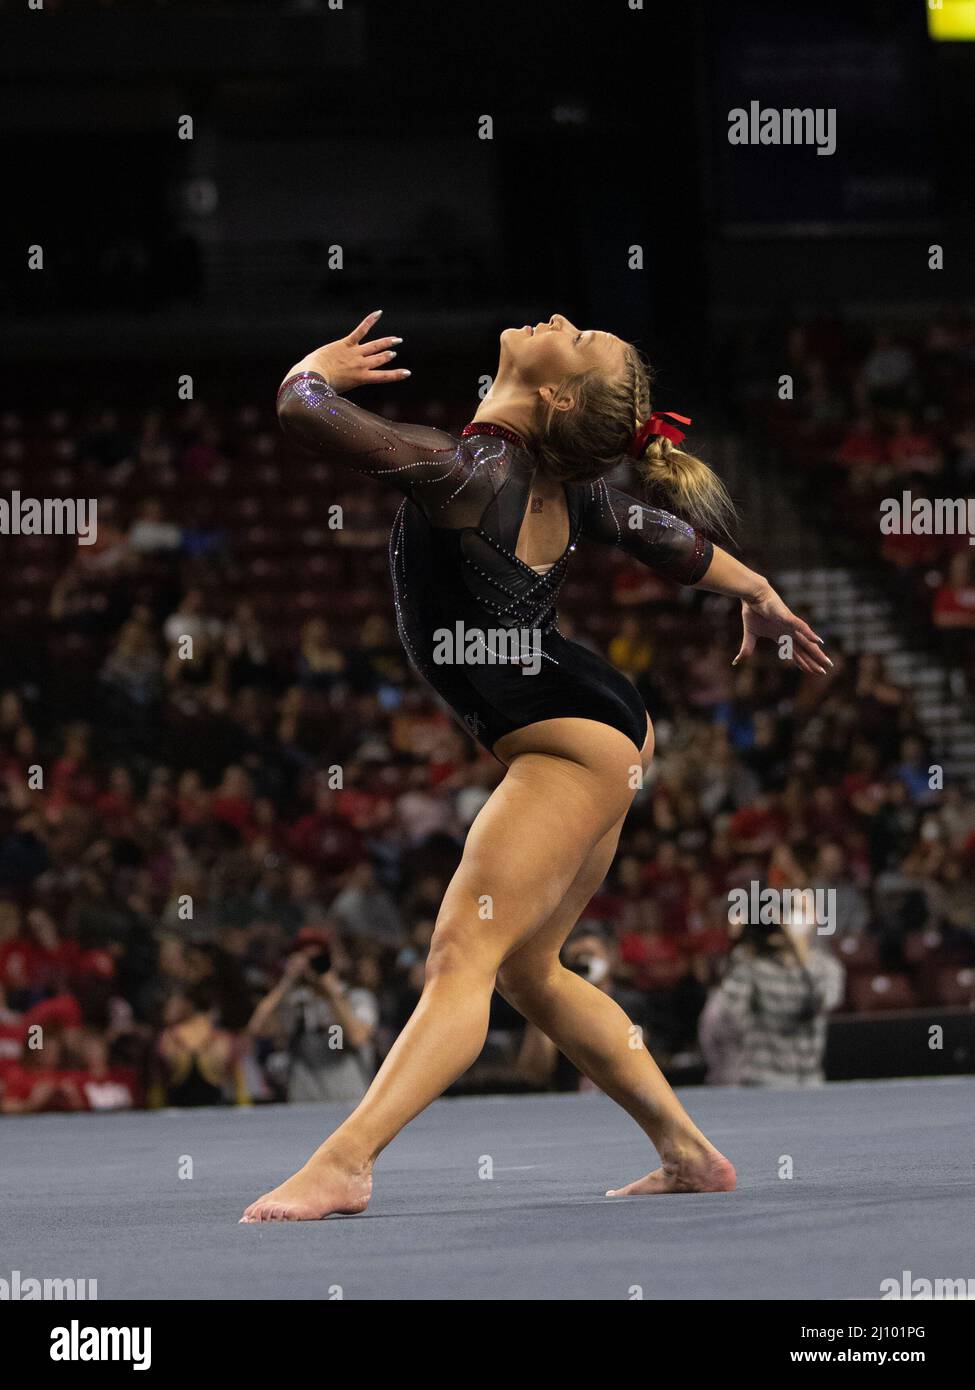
x: 325, y: 1186
x: 697, y: 1168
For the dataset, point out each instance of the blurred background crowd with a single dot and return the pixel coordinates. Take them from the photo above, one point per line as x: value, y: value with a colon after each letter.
x: 228, y: 811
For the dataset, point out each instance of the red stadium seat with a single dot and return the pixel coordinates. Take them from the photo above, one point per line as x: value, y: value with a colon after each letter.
x: 858, y: 953
x: 876, y: 993
x: 920, y: 946
x: 955, y: 985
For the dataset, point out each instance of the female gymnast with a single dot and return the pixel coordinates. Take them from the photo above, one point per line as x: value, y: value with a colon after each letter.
x: 483, y: 538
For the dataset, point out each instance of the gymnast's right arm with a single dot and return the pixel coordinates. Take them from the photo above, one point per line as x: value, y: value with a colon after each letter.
x: 314, y: 414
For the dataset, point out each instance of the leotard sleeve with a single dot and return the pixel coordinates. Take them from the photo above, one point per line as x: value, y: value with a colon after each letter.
x: 662, y: 542
x: 410, y: 458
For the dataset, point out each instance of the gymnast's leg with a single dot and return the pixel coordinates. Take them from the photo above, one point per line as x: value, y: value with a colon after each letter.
x: 567, y: 784
x: 598, y: 1038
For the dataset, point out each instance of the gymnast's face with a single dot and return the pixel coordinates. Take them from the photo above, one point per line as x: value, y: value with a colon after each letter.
x: 545, y: 354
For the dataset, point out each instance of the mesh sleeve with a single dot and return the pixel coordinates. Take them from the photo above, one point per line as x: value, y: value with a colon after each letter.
x: 664, y: 543
x: 409, y: 458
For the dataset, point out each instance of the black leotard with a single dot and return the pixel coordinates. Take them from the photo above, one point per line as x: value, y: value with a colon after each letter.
x: 452, y: 558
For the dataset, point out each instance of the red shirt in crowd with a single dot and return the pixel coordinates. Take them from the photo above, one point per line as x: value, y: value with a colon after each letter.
x: 116, y: 1088
x: 363, y: 810
x: 656, y: 959
x: 234, y: 810
x: 23, y: 1084
x: 118, y: 812
x: 762, y: 824
x: 861, y: 445
x: 12, y: 1034
x: 324, y: 840
x: 956, y: 605
x: 26, y: 965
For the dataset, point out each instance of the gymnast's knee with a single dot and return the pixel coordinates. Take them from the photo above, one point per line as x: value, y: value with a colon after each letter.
x: 457, y: 947
x: 527, y: 984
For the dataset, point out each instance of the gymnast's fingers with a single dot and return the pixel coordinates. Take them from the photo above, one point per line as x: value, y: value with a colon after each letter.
x: 378, y: 345
x: 397, y: 374
x: 364, y: 327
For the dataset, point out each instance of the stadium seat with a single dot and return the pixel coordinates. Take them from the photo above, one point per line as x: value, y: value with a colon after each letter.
x: 876, y: 993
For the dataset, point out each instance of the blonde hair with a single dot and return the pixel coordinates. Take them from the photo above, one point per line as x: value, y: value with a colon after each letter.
x: 594, y: 438
x: 692, y: 488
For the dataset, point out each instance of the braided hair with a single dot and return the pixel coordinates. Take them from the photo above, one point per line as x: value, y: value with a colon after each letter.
x: 596, y: 437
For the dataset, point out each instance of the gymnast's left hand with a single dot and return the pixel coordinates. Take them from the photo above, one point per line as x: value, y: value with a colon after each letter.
x: 350, y: 361
x: 767, y: 616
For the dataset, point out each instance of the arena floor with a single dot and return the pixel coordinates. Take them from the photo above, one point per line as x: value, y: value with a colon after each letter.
x: 883, y: 1182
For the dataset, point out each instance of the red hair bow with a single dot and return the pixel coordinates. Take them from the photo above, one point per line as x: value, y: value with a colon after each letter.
x: 656, y: 424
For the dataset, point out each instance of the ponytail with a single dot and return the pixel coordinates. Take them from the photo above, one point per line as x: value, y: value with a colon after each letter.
x: 688, y: 485
x: 597, y: 436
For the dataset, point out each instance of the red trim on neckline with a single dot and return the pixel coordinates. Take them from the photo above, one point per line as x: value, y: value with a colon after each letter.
x: 501, y: 431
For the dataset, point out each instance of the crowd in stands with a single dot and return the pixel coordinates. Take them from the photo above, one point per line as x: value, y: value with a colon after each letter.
x: 871, y: 414
x: 229, y: 811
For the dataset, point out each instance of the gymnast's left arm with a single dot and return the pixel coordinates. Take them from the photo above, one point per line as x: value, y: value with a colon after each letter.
x: 662, y: 542
x: 763, y: 612
x: 676, y: 551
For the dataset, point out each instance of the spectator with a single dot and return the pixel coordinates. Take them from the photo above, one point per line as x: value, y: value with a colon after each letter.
x: 831, y: 875
x: 150, y: 533
x: 320, y: 663
x: 196, y: 1062
x: 133, y: 669
x: 191, y: 620
x: 40, y: 1082
x: 364, y: 910
x: 887, y: 373
x: 630, y: 650
x: 12, y: 1035
x: 765, y: 1024
x: 326, y: 1029
x: 246, y: 648
x: 100, y: 1085
x: 915, y: 771
x: 954, y: 603
x: 912, y: 450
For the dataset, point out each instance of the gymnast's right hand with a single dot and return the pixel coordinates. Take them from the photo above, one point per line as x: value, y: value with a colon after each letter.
x: 350, y: 362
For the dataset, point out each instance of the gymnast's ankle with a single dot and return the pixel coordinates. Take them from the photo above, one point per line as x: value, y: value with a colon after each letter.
x: 340, y: 1152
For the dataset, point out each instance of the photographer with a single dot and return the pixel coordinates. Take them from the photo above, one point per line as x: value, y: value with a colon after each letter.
x: 765, y: 1024
x: 324, y: 1028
